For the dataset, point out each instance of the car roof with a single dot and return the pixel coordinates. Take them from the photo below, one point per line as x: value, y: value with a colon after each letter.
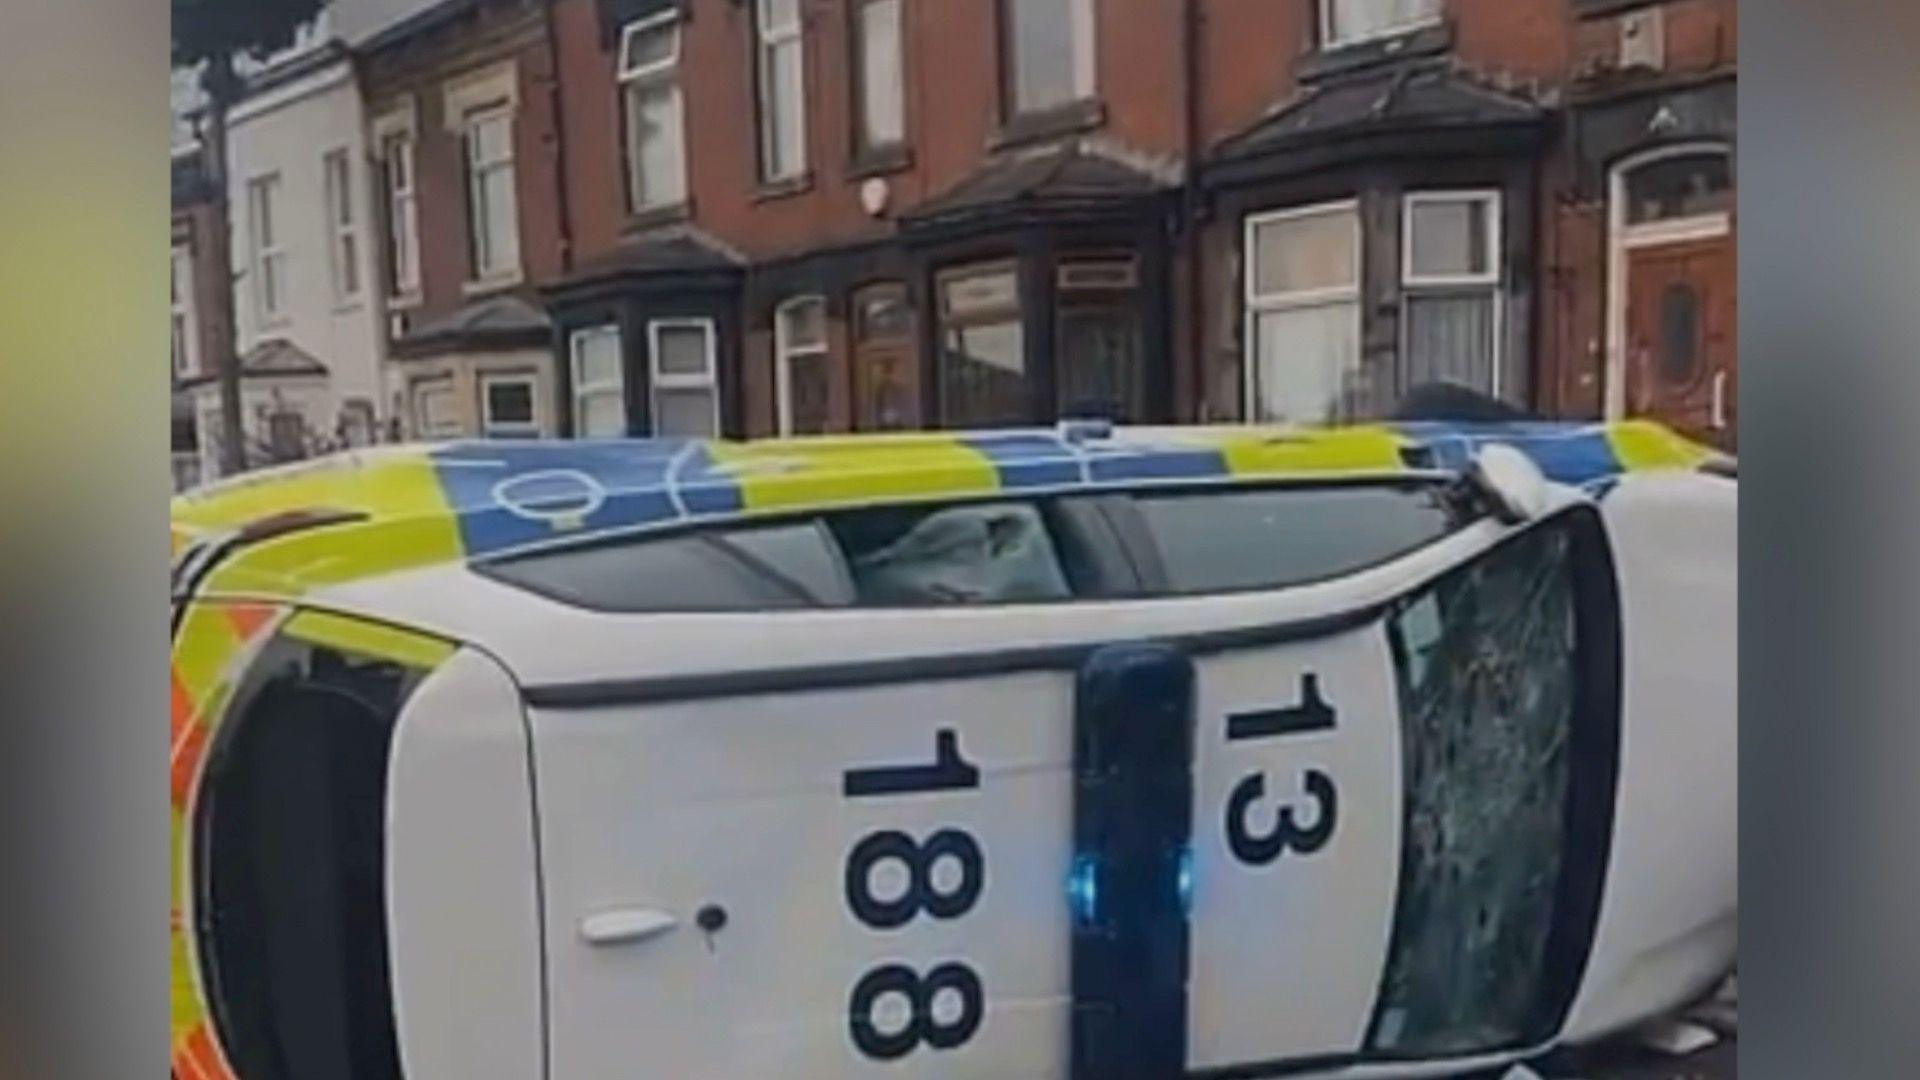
x: 362, y: 513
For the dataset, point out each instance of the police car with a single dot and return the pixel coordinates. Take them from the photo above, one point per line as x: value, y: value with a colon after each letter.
x: 1395, y: 750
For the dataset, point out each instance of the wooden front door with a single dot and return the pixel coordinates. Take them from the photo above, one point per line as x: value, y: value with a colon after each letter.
x: 1681, y: 366
x: 886, y: 368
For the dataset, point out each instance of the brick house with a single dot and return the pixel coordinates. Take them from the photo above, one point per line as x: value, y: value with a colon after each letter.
x: 463, y: 132
x: 828, y: 215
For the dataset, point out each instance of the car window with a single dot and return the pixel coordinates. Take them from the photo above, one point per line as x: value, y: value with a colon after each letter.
x: 1223, y: 541
x: 983, y: 553
x: 756, y: 568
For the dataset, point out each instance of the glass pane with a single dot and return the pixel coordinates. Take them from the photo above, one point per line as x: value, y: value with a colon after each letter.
x: 1679, y: 332
x: 647, y: 48
x: 596, y: 357
x: 489, y: 139
x: 509, y: 402
x: 1450, y: 338
x: 263, y: 212
x: 783, y: 135
x: 500, y: 245
x: 1680, y: 187
x: 779, y: 15
x: 601, y: 414
x: 683, y: 351
x: 785, y: 567
x: 983, y: 372
x: 1044, y: 53
x: 985, y: 554
x: 1488, y: 686
x: 990, y: 293
x: 1099, y: 363
x: 683, y: 413
x: 1269, y: 539
x: 881, y: 87
x: 1316, y: 250
x: 1306, y: 357
x: 655, y: 144
x: 1449, y: 238
x: 803, y: 324
x: 349, y: 264
x: 1351, y: 20
x: 807, y: 392
x: 884, y: 313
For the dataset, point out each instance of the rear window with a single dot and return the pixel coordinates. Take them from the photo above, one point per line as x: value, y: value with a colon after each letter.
x: 1264, y: 539
x: 1002, y: 551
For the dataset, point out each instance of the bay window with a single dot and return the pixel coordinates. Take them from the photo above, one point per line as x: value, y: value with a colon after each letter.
x: 599, y: 384
x: 1303, y: 311
x: 983, y: 355
x: 1451, y: 277
x: 801, y: 365
x: 655, y: 124
x: 780, y: 73
x: 684, y: 377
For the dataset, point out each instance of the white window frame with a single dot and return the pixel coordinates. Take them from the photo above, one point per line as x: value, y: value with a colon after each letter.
x: 656, y: 381
x: 417, y: 392
x: 864, y: 88
x: 660, y: 72
x: 784, y: 352
x: 263, y: 253
x: 767, y: 39
x: 1258, y: 303
x: 342, y: 225
x: 509, y: 429
x: 1086, y: 53
x: 1413, y: 284
x: 583, y: 390
x: 489, y: 267
x: 403, y: 214
x: 181, y: 310
x: 1328, y: 41
x: 1623, y: 239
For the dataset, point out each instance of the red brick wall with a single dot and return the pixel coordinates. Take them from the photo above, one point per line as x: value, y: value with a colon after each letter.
x: 515, y: 31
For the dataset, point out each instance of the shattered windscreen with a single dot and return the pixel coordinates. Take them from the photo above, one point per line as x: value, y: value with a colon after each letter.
x: 1487, y: 683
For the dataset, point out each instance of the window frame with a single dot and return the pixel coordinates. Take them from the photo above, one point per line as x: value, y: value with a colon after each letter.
x: 262, y: 191
x: 659, y: 73
x: 1085, y: 23
x: 182, y: 313
x: 1257, y: 304
x: 785, y: 351
x: 658, y: 380
x: 870, y: 154
x: 1492, y: 281
x: 487, y: 267
x: 768, y: 38
x: 403, y: 214
x: 418, y: 391
x: 1329, y: 43
x: 581, y: 389
x: 343, y: 227
x: 944, y: 323
x: 514, y: 429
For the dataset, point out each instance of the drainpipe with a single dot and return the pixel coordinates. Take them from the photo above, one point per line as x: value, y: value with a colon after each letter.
x: 562, y: 206
x: 1190, y: 206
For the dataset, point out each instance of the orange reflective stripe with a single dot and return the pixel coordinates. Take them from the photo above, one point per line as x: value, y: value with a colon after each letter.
x: 187, y: 752
x: 248, y: 619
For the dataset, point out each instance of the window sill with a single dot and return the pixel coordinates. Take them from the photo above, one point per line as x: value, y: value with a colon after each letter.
x: 1069, y: 119
x: 1593, y: 9
x: 769, y: 190
x: 879, y: 161
x: 1430, y: 40
x: 349, y: 305
x: 641, y: 221
x: 486, y: 285
x: 405, y: 301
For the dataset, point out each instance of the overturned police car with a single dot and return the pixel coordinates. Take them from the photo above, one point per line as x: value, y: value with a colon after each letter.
x: 1215, y: 752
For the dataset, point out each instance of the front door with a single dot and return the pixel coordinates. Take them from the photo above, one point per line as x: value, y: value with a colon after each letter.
x: 1681, y: 337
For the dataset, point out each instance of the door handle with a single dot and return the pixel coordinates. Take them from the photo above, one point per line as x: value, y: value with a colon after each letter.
x: 622, y: 925
x: 1719, y: 399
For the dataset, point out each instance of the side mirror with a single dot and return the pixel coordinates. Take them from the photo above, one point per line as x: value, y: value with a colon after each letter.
x: 1510, y: 482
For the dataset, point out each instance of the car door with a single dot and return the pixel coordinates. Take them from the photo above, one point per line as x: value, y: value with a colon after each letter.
x: 1051, y: 839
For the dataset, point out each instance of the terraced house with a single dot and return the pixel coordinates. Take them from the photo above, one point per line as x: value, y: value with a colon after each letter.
x: 758, y: 216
